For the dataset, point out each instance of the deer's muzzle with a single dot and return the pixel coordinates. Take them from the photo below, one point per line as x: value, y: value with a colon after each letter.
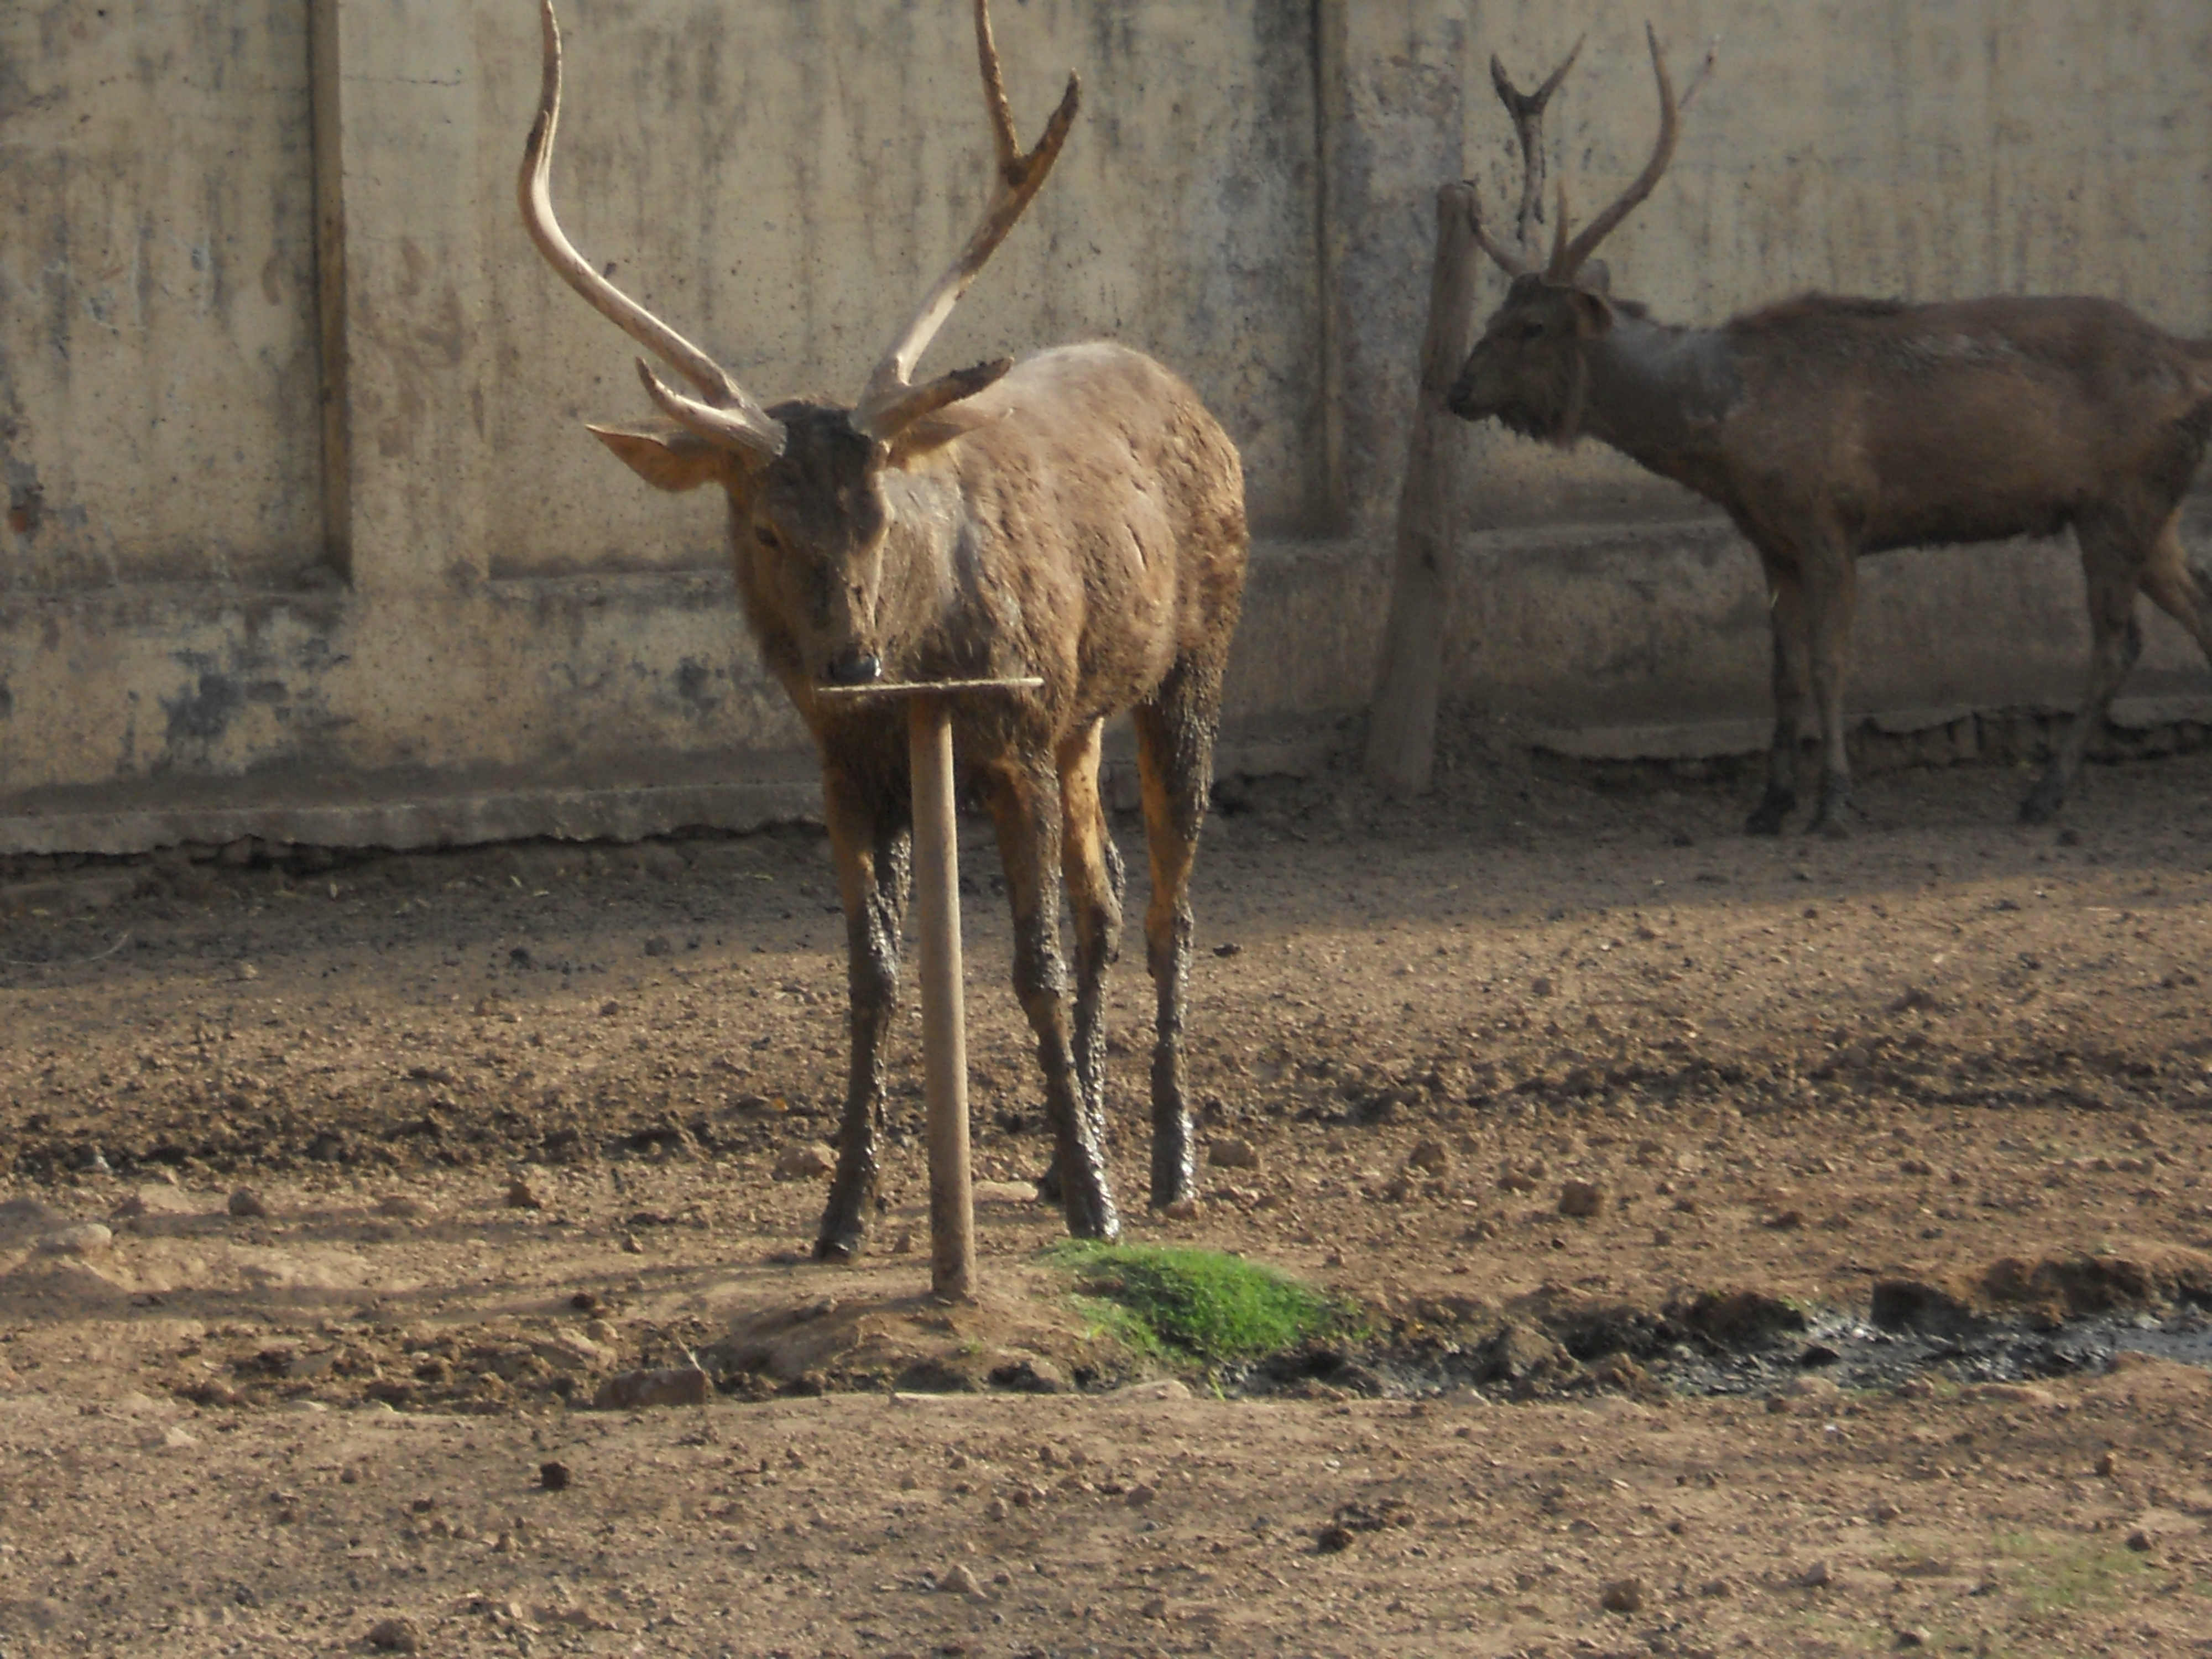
x: 854, y: 667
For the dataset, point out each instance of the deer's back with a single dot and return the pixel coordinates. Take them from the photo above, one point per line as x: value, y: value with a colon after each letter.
x: 1107, y: 512
x: 1964, y: 420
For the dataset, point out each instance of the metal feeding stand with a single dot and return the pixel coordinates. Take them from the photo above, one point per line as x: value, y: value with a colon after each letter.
x: 944, y: 1018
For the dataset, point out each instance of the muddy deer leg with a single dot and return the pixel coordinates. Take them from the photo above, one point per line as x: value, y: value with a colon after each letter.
x: 1024, y: 805
x: 1830, y: 596
x: 1091, y: 865
x: 872, y: 848
x: 1175, y: 771
x: 2115, y: 642
x: 1785, y: 605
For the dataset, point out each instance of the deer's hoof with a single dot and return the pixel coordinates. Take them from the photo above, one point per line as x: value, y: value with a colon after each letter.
x: 1766, y: 818
x: 838, y: 1249
x: 1103, y: 1229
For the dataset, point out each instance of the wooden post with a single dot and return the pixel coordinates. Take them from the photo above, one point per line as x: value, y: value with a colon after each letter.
x: 943, y: 1026
x: 937, y: 920
x: 1401, y: 727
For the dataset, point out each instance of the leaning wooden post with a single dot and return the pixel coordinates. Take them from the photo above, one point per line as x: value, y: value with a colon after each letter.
x: 1401, y: 727
x: 944, y: 1015
x: 937, y: 920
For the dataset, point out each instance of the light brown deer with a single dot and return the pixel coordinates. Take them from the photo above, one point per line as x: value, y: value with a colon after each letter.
x: 1828, y: 429
x: 1077, y: 516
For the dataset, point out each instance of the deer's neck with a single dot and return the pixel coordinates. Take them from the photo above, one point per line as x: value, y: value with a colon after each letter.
x: 1659, y: 395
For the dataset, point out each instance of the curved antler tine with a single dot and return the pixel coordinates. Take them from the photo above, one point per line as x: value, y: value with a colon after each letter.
x: 745, y: 428
x: 1557, y: 267
x: 533, y: 190
x: 1527, y: 110
x: 1569, y: 258
x: 1511, y: 265
x: 888, y: 400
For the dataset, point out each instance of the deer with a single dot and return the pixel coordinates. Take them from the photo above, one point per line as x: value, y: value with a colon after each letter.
x: 1077, y: 516
x: 1828, y: 429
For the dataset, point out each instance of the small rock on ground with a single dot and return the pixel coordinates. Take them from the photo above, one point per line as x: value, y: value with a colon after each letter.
x: 1581, y: 1198
x: 247, y: 1203
x: 634, y: 1390
x: 1233, y: 1152
x: 396, y: 1636
x: 86, y: 1239
x: 805, y: 1163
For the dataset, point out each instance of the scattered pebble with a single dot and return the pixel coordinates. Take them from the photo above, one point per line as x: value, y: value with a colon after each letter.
x: 246, y: 1204
x: 555, y: 1476
x: 522, y: 1195
x: 1581, y: 1198
x: 85, y: 1238
x: 1233, y: 1152
x: 1431, y: 1156
x: 396, y: 1636
x: 809, y: 1162
x: 634, y: 1390
x: 1622, y: 1595
x: 957, y: 1580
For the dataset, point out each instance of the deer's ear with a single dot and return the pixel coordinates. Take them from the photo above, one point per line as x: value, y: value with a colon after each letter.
x: 934, y: 431
x: 673, y: 457
x: 1595, y: 275
x: 1592, y: 312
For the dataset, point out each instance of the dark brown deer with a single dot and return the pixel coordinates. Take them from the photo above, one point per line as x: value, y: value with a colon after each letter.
x: 1828, y: 429
x: 1077, y: 516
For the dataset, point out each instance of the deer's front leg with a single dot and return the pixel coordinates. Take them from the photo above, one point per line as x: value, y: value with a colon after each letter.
x: 1831, y: 597
x: 1025, y: 802
x: 1785, y: 606
x: 2111, y: 566
x: 1091, y: 865
x: 871, y: 844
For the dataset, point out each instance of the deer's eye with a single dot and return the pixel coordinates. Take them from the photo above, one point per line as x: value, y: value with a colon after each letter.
x: 765, y: 536
x: 1532, y: 329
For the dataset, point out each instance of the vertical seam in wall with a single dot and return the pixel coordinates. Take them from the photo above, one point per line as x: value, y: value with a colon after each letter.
x: 326, y: 129
x: 1328, y: 507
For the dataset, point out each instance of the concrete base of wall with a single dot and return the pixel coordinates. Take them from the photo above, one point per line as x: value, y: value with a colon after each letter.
x: 197, y: 721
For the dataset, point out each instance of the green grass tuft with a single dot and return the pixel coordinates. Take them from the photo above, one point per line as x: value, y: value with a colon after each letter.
x: 1184, y: 1306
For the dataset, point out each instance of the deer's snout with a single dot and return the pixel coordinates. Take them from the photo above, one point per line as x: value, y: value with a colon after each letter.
x: 1460, y: 399
x: 856, y: 667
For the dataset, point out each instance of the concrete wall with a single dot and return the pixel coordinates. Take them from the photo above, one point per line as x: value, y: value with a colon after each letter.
x: 303, y: 537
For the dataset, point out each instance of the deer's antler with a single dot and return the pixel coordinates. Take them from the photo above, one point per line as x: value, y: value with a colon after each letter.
x: 1526, y: 110
x: 889, y: 401
x: 727, y: 414
x: 1568, y: 256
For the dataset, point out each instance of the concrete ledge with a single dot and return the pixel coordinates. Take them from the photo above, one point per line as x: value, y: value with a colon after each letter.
x: 410, y: 812
x: 1715, y: 740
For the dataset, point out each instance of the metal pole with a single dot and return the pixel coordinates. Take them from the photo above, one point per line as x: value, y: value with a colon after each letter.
x: 944, y: 1025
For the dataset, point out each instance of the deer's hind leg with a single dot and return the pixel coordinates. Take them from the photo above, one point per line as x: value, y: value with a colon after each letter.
x: 1175, y: 769
x: 1024, y: 796
x: 2114, y: 569
x: 870, y: 840
x: 1091, y: 865
x: 1785, y: 609
x: 2178, y: 590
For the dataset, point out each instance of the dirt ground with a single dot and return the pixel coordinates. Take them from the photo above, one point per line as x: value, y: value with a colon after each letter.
x: 1853, y: 1121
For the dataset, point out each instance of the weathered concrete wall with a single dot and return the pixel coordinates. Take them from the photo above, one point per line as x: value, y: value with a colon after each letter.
x: 303, y: 534
x: 158, y: 389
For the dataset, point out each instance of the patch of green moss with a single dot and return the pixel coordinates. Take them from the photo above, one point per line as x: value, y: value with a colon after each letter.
x: 1186, y: 1307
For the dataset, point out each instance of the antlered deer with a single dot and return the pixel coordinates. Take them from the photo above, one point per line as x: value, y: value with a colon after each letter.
x: 1828, y: 428
x: 1078, y: 516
